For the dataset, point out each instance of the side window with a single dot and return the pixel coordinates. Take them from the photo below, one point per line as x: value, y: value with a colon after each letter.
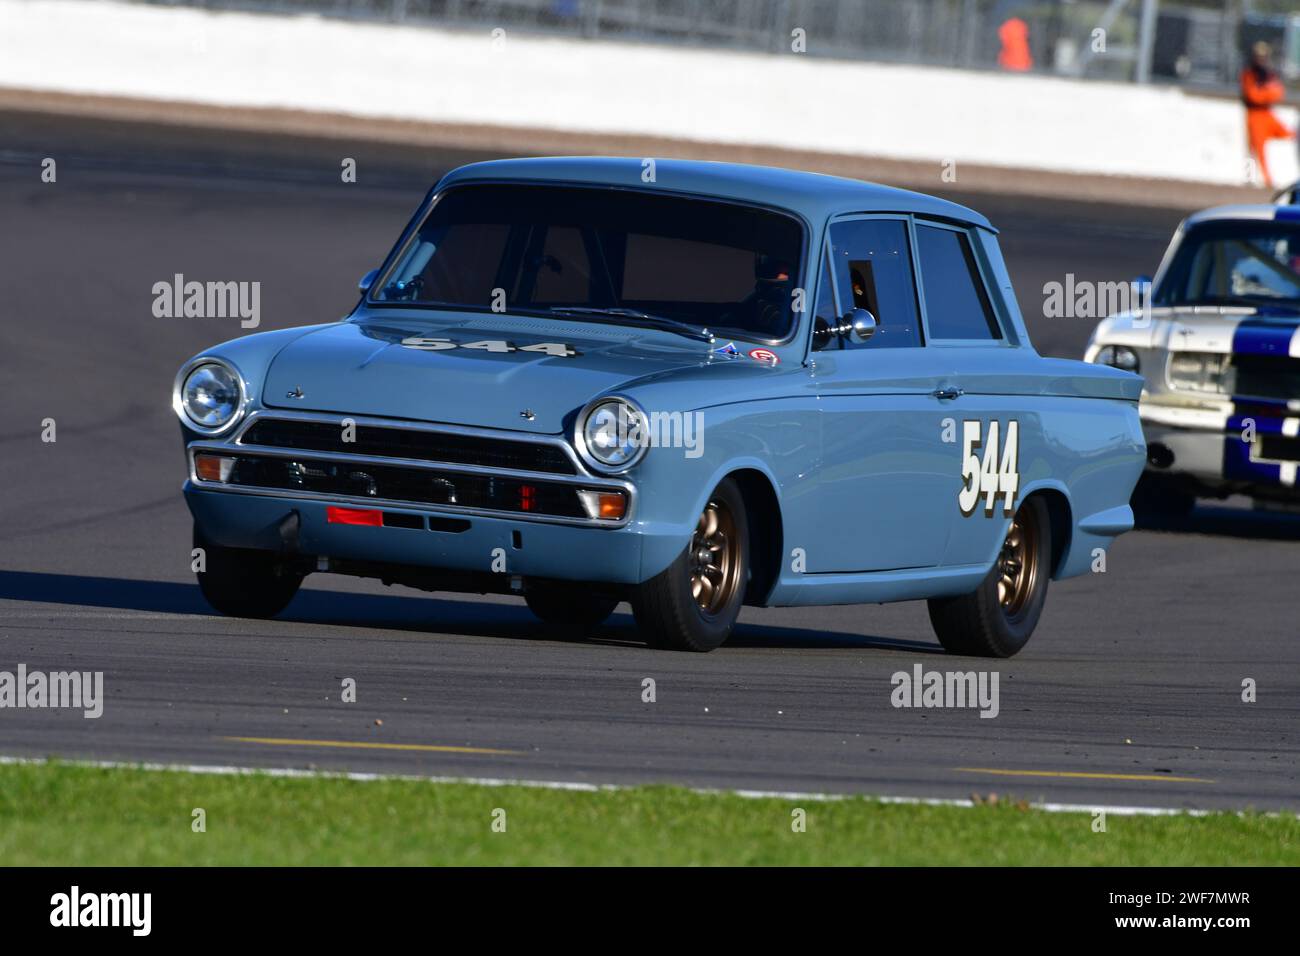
x: 873, y: 270
x: 956, y: 304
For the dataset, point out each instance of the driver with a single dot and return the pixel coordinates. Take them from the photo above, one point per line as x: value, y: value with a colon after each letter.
x: 765, y: 309
x: 859, y: 290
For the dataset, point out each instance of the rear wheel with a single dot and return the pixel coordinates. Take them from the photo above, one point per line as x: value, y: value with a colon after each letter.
x: 998, y: 618
x: 244, y: 583
x: 693, y: 604
x: 571, y: 610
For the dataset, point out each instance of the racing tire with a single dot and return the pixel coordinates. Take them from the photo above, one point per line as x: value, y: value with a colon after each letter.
x: 998, y: 618
x: 1158, y: 497
x: 569, y: 610
x: 692, y: 605
x: 244, y: 583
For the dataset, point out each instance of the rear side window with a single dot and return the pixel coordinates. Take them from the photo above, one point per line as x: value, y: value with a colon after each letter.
x: 956, y: 304
x: 873, y: 271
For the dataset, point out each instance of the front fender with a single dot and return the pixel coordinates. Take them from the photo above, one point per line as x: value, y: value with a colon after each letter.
x: 778, y: 438
x: 251, y: 355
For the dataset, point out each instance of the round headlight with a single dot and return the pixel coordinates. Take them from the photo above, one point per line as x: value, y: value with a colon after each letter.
x: 1118, y: 356
x: 211, y: 396
x: 613, y: 434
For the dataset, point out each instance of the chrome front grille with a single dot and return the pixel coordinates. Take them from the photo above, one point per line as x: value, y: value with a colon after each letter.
x: 395, y: 441
x: 410, y: 465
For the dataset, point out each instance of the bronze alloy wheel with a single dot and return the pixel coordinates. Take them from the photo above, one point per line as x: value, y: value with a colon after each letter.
x: 714, y: 558
x: 692, y: 604
x: 1018, y: 565
x: 999, y: 616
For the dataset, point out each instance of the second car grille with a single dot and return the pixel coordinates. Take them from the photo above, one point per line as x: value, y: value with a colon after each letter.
x: 1266, y: 376
x: 1277, y: 448
x: 389, y: 441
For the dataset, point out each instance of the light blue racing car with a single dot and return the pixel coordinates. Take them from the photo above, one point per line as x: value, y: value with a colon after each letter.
x: 691, y: 386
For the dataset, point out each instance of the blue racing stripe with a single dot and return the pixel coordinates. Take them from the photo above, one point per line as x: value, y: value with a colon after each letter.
x: 1237, y: 464
x: 1263, y: 337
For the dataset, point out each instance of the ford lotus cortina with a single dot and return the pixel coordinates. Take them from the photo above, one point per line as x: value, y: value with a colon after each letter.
x: 689, y: 386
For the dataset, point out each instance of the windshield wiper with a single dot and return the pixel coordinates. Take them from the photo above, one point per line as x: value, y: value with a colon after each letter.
x: 641, y: 318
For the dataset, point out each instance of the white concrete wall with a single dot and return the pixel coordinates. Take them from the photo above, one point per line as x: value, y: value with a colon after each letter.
x: 896, y: 112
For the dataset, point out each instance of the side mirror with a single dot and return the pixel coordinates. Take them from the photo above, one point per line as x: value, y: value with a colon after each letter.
x: 368, y: 280
x: 862, y: 324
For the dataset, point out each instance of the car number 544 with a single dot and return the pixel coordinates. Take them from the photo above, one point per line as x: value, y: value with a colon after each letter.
x: 554, y: 349
x: 990, y: 476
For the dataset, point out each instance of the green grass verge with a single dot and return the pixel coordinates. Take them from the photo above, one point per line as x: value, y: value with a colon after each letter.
x: 71, y: 815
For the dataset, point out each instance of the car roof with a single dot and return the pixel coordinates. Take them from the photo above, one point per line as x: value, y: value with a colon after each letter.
x: 1244, y: 211
x: 814, y: 195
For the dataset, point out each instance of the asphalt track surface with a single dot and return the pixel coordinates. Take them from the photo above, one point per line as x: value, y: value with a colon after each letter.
x: 1134, y: 675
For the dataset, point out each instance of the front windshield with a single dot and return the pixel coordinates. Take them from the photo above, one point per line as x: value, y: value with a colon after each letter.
x: 1248, y: 263
x: 626, y: 255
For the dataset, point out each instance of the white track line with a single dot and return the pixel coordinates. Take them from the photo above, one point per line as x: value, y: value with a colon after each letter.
x: 573, y: 785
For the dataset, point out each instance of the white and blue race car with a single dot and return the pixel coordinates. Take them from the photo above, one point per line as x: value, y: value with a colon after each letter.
x: 1218, y: 345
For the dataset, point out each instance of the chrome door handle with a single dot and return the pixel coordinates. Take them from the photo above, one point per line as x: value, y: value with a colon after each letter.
x: 947, y: 394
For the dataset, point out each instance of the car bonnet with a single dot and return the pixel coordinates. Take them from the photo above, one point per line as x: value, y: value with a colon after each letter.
x: 481, y: 371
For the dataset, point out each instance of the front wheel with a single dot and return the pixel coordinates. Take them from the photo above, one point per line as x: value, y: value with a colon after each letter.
x: 692, y: 605
x: 569, y: 609
x: 998, y: 617
x: 244, y: 583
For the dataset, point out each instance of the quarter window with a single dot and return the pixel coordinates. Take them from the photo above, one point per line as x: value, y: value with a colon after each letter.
x: 873, y: 271
x: 956, y: 304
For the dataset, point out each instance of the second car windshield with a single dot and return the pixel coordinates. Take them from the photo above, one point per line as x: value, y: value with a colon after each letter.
x: 623, y: 253
x: 1235, y: 263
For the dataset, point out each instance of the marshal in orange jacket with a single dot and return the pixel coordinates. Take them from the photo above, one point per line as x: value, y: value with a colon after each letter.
x: 1260, y: 91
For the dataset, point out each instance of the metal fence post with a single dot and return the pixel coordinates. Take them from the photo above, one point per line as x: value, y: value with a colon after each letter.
x: 1146, y: 40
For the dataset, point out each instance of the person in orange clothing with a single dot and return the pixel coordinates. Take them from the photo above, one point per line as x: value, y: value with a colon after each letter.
x: 1014, y: 55
x: 1261, y: 89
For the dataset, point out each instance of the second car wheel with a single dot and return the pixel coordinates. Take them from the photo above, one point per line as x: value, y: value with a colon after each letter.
x: 570, y: 610
x: 998, y: 617
x: 1157, y: 497
x: 692, y: 605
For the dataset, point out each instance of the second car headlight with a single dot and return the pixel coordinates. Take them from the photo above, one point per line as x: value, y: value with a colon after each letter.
x: 612, y: 434
x: 1118, y: 356
x: 210, y: 397
x: 1200, y: 372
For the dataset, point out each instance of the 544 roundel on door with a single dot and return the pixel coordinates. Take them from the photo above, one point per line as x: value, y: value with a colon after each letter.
x: 992, y: 475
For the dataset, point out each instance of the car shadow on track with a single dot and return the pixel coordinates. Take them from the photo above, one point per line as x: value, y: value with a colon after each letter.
x: 399, y: 612
x: 1226, y: 522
